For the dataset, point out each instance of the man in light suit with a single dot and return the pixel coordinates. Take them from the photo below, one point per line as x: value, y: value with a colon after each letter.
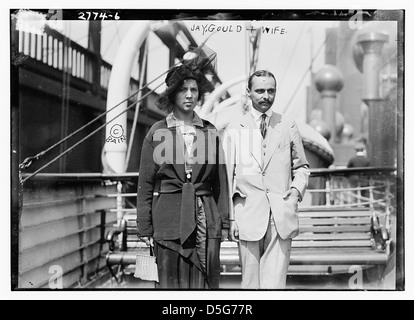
x: 268, y: 175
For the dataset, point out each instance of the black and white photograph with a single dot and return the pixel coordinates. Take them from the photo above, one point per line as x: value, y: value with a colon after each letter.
x: 164, y: 151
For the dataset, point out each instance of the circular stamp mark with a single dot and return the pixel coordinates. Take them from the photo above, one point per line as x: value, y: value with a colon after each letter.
x: 116, y: 134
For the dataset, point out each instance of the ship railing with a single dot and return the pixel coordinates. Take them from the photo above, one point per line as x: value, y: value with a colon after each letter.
x: 64, y: 219
x: 372, y: 188
x: 53, y: 51
x: 369, y: 190
x: 59, y: 228
x: 336, y: 189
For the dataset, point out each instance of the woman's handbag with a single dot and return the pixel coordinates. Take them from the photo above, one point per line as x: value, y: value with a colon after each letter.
x: 146, y: 266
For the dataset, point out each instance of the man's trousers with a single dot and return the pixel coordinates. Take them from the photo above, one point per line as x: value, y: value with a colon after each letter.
x: 265, y: 262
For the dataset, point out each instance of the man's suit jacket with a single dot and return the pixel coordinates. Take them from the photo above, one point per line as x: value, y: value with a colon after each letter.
x: 258, y: 182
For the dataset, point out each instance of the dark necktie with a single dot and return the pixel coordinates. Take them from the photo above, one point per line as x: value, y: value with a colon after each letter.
x: 263, y: 127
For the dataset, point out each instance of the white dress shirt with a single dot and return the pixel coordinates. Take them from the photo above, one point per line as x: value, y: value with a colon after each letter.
x: 257, y: 115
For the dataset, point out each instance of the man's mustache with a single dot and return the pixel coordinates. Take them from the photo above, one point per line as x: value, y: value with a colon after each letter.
x: 265, y: 102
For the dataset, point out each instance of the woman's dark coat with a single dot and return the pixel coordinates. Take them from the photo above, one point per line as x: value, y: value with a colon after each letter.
x: 162, y: 175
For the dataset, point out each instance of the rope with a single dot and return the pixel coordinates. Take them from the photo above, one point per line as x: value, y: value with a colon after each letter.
x: 28, y: 161
x: 88, y: 136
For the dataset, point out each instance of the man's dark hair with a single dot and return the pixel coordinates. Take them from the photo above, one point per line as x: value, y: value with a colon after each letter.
x: 260, y: 73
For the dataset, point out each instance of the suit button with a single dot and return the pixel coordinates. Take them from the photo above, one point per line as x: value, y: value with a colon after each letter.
x: 264, y: 146
x: 263, y: 173
x: 267, y: 191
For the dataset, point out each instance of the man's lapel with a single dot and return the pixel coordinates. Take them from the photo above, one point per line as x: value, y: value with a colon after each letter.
x: 274, y: 136
x: 251, y: 136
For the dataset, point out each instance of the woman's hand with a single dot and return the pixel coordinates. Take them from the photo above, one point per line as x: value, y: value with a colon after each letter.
x: 224, y: 234
x: 149, y: 241
x: 234, y: 231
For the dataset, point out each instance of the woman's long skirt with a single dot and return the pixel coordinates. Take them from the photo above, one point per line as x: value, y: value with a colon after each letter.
x: 193, y: 265
x: 178, y: 272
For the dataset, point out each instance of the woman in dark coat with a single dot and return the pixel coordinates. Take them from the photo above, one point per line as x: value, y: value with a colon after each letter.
x: 183, y: 190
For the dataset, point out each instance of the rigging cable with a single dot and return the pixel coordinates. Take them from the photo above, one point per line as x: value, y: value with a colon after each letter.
x: 28, y: 161
x: 110, y: 43
x: 304, y: 76
x: 89, y: 135
x: 300, y: 34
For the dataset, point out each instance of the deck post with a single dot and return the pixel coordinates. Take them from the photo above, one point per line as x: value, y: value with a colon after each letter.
x: 388, y: 207
x: 328, y: 191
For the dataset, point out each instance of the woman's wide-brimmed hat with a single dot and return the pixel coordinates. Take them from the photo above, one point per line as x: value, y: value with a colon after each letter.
x: 195, y: 64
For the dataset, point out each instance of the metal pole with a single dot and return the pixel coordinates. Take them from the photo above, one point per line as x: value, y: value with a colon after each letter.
x: 119, y: 206
x: 372, y: 44
x: 115, y: 148
x: 329, y: 81
x: 136, y: 114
